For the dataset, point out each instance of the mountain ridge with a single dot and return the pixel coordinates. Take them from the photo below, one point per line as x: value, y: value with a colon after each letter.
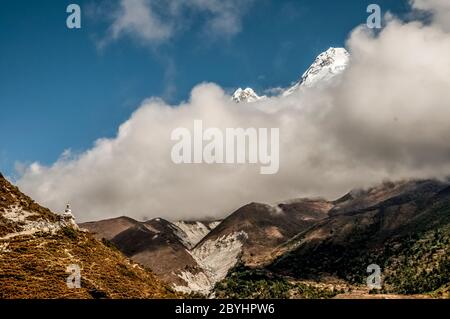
x: 163, y: 246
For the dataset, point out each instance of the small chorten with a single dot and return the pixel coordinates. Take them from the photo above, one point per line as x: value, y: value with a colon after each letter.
x: 68, y: 211
x: 68, y: 217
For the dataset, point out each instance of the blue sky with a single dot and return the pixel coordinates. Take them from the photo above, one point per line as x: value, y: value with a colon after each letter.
x: 60, y: 89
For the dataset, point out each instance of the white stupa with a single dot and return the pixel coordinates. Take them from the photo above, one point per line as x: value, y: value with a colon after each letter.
x: 68, y: 218
x: 68, y: 212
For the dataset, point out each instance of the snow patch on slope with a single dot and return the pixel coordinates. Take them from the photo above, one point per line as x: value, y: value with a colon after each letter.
x: 248, y: 95
x: 4, y: 248
x: 191, y: 233
x: 16, y: 214
x: 216, y: 258
x: 27, y: 227
x: 199, y: 282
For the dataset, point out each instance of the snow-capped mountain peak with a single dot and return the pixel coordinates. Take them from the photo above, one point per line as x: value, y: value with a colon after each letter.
x: 325, y: 67
x: 246, y: 95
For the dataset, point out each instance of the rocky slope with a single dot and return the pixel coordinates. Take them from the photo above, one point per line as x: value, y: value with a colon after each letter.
x: 249, y: 236
x: 162, y: 246
x: 193, y: 256
x: 37, y: 247
x: 265, y: 227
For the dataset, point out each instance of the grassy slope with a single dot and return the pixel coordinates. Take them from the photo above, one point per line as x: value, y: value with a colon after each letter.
x: 35, y: 266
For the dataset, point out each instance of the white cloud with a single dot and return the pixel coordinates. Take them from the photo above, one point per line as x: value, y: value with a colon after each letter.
x: 387, y: 116
x: 153, y: 21
x: 274, y: 91
x: 225, y: 16
x: 439, y: 8
x: 136, y: 17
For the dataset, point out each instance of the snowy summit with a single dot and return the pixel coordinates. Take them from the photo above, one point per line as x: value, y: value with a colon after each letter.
x: 326, y: 66
x: 247, y: 95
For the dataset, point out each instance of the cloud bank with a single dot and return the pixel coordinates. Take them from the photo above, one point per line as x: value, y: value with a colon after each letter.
x: 386, y: 117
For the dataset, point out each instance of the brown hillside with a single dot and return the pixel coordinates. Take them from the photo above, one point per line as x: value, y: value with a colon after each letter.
x: 36, y: 247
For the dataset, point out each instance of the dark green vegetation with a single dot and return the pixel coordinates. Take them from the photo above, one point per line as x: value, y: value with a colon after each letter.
x: 246, y: 283
x: 420, y: 264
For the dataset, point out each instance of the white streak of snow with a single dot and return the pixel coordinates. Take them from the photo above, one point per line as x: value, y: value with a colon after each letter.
x: 192, y: 233
x: 216, y: 258
x: 19, y: 216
